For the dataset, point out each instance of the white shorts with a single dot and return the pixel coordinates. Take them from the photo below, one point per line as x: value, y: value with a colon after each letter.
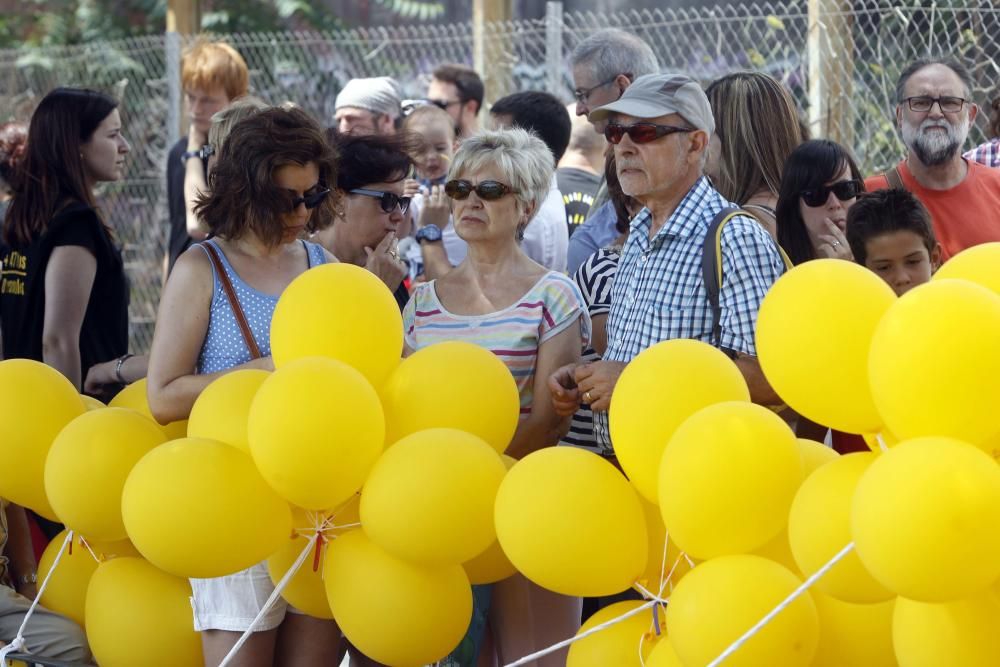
x: 232, y: 602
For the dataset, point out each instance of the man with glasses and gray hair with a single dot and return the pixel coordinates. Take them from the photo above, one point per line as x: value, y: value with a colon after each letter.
x: 604, y: 65
x: 660, y: 129
x: 934, y: 110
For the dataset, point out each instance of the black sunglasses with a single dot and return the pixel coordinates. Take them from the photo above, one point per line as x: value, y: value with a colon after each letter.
x: 485, y: 190
x: 842, y: 190
x: 311, y: 200
x: 388, y: 201
x: 641, y: 133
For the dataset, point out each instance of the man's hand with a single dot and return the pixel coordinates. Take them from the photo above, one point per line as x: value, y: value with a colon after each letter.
x: 436, y: 208
x: 99, y: 376
x: 384, y: 262
x: 596, y: 382
x: 565, y: 396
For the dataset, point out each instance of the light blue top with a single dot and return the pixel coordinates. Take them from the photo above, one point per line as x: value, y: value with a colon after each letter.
x: 224, y: 346
x: 595, y: 233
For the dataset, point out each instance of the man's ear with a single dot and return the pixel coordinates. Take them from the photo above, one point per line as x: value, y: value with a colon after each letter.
x: 973, y: 112
x: 699, y: 145
x: 899, y: 115
x: 936, y: 258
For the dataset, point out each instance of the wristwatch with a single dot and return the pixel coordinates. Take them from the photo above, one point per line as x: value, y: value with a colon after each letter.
x: 430, y: 233
x: 203, y: 153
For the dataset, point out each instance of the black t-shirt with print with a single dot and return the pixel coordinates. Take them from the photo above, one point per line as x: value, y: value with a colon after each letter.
x: 104, y: 333
x: 578, y: 188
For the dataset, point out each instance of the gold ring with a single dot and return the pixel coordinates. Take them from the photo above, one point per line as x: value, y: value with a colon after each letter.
x: 587, y: 398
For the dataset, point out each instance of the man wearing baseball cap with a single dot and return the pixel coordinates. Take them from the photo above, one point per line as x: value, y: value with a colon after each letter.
x: 660, y: 129
x: 368, y: 106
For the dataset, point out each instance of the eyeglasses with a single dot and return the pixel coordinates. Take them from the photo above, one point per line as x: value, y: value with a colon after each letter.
x: 923, y: 103
x: 311, y: 200
x: 485, y: 190
x: 641, y: 133
x: 444, y: 104
x: 842, y: 190
x: 388, y: 201
x: 581, y: 96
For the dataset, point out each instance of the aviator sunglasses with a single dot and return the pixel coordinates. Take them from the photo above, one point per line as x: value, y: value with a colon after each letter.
x: 641, y: 133
x: 388, y: 201
x: 485, y: 190
x: 842, y: 190
x: 311, y: 200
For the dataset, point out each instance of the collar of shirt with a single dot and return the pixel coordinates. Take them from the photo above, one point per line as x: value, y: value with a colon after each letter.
x: 684, y: 221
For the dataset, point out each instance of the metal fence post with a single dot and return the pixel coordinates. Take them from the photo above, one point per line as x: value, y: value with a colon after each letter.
x: 554, y: 47
x: 173, y: 62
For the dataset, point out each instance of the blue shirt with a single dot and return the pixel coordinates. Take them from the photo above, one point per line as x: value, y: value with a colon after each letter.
x: 595, y: 233
x: 659, y: 294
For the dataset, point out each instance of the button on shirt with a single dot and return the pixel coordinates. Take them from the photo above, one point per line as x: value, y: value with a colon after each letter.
x: 659, y: 294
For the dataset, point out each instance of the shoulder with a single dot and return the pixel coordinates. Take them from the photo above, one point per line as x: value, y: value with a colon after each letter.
x: 559, y: 288
x: 76, y: 224
x: 193, y: 266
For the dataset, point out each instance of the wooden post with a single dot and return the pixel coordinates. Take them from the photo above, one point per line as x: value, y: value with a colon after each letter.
x: 184, y: 16
x: 488, y: 56
x: 831, y: 70
x: 183, y: 21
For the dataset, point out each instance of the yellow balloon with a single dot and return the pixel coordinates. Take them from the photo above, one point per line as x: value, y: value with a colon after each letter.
x: 343, y: 312
x: 853, y: 634
x: 92, y: 403
x: 36, y: 402
x: 663, y: 568
x: 138, y: 615
x: 429, y: 498
x: 199, y: 508
x: 621, y: 644
x: 395, y: 612
x: 646, y: 411
x: 88, y: 464
x: 814, y: 455
x: 134, y: 397
x: 977, y: 264
x: 452, y: 385
x: 223, y: 408
x: 727, y: 479
x: 839, y: 303
x: 723, y: 598
x: 934, y: 363
x: 491, y: 565
x: 926, y: 519
x: 780, y: 551
x: 316, y: 429
x: 819, y: 526
x: 570, y: 522
x: 962, y: 632
x: 664, y: 655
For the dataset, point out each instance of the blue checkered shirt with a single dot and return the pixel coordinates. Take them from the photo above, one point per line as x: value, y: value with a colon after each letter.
x: 659, y: 293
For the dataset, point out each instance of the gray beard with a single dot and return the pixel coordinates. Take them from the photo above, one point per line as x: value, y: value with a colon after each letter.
x: 934, y: 150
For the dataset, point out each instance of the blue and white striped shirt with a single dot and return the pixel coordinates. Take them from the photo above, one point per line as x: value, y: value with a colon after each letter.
x: 659, y: 293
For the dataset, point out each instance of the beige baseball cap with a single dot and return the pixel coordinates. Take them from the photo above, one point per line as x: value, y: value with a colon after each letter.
x: 655, y: 95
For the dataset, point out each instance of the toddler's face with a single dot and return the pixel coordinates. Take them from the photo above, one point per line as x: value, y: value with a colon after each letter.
x: 437, y: 147
x: 901, y: 259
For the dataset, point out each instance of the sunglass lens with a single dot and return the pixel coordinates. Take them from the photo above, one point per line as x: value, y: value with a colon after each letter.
x: 642, y: 134
x: 404, y: 204
x: 846, y: 190
x: 458, y: 189
x: 491, y: 190
x: 614, y: 133
x: 315, y: 199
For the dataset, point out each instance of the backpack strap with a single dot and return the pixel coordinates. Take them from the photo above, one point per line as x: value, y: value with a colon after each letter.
x: 894, y: 179
x: 234, y: 302
x: 711, y: 264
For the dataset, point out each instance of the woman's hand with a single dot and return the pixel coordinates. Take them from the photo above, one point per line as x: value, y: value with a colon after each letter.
x: 565, y: 395
x: 436, y: 208
x: 832, y: 244
x: 384, y: 261
x: 100, y: 376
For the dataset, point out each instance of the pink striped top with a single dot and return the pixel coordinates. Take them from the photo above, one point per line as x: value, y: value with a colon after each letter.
x: 514, y: 334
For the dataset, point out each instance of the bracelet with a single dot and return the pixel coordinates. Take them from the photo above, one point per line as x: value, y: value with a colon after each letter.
x: 28, y: 578
x: 118, y: 367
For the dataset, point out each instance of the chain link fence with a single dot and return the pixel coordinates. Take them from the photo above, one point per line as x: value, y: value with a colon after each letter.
x: 840, y: 64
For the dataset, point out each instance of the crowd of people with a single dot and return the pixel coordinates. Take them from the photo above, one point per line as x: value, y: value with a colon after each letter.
x: 565, y: 245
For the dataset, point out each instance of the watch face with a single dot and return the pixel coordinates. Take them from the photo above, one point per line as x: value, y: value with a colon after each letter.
x: 429, y: 233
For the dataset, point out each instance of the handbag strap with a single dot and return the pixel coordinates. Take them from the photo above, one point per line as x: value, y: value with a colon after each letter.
x: 894, y: 179
x: 234, y: 303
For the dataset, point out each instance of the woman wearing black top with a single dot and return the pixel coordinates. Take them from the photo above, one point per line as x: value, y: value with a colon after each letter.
x: 64, y: 296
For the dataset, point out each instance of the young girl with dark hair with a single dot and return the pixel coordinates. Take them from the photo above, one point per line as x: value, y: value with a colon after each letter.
x: 64, y: 296
x: 270, y: 187
x: 819, y: 184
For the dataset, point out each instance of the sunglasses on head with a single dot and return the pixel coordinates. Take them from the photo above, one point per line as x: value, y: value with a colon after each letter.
x: 641, y: 133
x: 842, y: 190
x: 485, y: 190
x: 311, y: 200
x: 388, y: 201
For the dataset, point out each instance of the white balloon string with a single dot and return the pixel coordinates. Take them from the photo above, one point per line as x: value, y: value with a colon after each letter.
x: 583, y: 635
x: 85, y: 543
x: 278, y: 590
x: 881, y: 442
x: 798, y: 592
x: 18, y: 644
x: 663, y: 562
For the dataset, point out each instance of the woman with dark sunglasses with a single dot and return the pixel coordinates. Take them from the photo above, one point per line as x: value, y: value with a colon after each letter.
x: 267, y: 189
x: 371, y: 184
x: 819, y: 184
x: 534, y: 320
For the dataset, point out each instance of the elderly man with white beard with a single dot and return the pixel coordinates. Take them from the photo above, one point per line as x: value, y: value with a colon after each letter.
x: 934, y: 111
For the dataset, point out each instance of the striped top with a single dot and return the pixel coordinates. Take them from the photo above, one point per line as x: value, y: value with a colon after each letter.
x: 514, y: 334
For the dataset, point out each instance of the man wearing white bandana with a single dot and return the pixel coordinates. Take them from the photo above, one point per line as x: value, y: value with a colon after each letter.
x: 934, y: 112
x: 369, y: 106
